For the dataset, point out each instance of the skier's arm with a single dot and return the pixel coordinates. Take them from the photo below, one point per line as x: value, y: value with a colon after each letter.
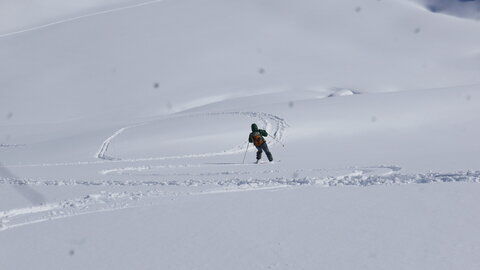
x: 263, y: 132
x: 250, y: 138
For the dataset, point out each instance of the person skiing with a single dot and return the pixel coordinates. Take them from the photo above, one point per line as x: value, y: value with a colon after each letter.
x: 256, y: 137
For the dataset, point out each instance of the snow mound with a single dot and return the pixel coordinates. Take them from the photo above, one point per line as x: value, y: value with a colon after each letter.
x: 340, y: 92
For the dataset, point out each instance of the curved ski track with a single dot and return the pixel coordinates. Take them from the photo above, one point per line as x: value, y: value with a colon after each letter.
x: 109, y: 201
x: 198, y: 183
x: 273, y: 124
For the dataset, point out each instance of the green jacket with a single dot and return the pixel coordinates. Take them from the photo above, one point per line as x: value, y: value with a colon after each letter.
x: 257, y: 135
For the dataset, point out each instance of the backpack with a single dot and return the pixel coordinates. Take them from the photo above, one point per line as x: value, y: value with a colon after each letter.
x: 257, y: 138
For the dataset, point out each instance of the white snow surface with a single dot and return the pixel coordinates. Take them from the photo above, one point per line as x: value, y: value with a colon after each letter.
x: 124, y: 125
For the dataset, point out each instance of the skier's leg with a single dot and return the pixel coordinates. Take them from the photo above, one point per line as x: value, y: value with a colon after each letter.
x: 259, y: 153
x: 267, y: 151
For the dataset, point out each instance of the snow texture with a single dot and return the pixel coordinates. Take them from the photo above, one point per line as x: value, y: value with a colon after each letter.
x: 124, y: 124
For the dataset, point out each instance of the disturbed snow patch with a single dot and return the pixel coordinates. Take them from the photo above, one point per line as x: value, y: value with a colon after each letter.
x: 109, y: 201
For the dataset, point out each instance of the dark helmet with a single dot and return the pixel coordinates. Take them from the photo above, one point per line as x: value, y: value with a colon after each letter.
x: 254, y: 127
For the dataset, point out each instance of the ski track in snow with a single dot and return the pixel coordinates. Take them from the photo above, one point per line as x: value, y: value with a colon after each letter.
x: 101, y: 153
x: 197, y: 183
x: 358, y: 177
x: 92, y: 203
x: 274, y: 125
x: 79, y: 17
x: 109, y: 201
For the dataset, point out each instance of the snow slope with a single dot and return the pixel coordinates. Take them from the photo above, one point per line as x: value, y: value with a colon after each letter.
x: 110, y: 64
x: 23, y: 16
x: 126, y: 126
x: 459, y: 8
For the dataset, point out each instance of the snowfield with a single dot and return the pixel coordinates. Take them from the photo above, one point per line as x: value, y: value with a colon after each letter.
x: 124, y: 125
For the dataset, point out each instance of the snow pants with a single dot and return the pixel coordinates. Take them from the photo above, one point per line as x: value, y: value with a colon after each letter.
x: 264, y: 147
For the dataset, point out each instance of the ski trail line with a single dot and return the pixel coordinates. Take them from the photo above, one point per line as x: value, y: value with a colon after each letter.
x: 111, y: 201
x: 101, y: 153
x: 80, y: 17
x: 94, y: 203
x: 273, y: 123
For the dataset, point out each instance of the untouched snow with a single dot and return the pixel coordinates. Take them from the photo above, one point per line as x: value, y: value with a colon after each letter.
x: 124, y: 124
x: 394, y: 227
x: 23, y: 16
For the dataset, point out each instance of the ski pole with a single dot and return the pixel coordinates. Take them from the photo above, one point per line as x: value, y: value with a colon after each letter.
x: 243, y: 162
x: 277, y: 140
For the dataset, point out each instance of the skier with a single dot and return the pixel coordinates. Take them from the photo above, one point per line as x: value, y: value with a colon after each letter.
x: 256, y: 137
